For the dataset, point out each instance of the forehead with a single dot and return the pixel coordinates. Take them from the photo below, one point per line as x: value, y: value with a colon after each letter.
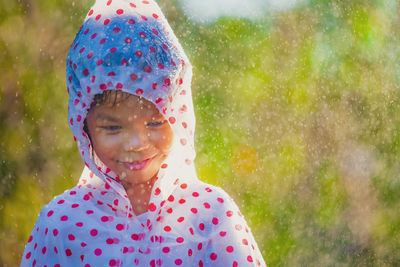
x: 123, y: 105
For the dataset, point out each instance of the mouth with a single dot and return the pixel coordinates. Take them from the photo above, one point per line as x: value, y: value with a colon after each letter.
x: 137, y: 165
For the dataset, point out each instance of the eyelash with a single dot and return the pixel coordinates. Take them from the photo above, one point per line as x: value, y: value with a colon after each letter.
x: 111, y: 128
x: 155, y: 123
x: 114, y: 128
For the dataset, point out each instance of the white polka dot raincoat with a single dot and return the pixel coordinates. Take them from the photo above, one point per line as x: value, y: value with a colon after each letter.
x: 128, y: 45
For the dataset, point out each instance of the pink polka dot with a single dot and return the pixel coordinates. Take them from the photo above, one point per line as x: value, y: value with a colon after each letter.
x: 71, y: 237
x: 215, y: 221
x: 235, y: 264
x: 229, y: 213
x: 28, y: 255
x: 180, y: 240
x: 245, y: 242
x: 68, y: 252
x: 194, y: 210
x: 133, y: 76
x: 104, y: 218
x: 120, y: 227
x: 152, y: 207
x: 183, y: 186
x: 139, y: 53
x: 206, y: 205
x: 229, y: 249
x: 93, y: 232
x: 112, y: 263
x: 109, y: 241
x: 249, y: 259
x: 201, y: 226
x: 167, y: 228
x: 195, y: 194
x: 30, y: 239
x: 79, y: 224
x: 98, y: 252
x: 213, y: 256
x: 120, y: 11
x: 165, y: 249
x: 50, y: 213
x: 180, y: 219
x: 178, y: 261
x: 172, y: 120
x: 157, y: 191
x: 64, y: 218
x: 222, y: 233
x: 55, y: 232
x: 106, y: 21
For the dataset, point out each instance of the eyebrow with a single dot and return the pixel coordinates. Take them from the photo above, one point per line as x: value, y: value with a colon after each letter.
x: 104, y: 116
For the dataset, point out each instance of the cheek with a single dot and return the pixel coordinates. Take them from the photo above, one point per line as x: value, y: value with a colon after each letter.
x: 162, y: 139
x: 105, y: 143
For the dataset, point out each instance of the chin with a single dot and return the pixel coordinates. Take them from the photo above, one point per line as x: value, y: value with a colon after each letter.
x: 138, y: 178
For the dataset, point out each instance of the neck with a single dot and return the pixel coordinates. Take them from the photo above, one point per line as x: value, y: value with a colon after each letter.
x: 139, y: 194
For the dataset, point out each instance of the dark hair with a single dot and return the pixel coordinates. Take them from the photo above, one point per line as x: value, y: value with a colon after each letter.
x: 112, y: 97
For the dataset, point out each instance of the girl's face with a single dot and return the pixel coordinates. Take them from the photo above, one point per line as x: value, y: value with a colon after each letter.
x: 130, y: 137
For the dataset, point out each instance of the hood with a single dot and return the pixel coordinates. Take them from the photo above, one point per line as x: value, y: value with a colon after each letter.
x: 131, y: 47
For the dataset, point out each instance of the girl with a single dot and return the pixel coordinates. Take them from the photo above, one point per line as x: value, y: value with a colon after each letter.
x: 138, y: 201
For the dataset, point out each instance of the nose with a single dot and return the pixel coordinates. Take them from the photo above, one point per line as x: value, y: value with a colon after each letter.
x: 136, y: 141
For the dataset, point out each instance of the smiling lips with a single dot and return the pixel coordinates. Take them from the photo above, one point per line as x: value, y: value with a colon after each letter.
x: 137, y: 165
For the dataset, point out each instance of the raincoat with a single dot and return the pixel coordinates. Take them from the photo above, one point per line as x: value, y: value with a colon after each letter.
x: 128, y: 45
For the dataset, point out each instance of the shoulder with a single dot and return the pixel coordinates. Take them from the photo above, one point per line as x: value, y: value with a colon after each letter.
x: 210, y: 196
x: 66, y: 201
x: 207, y: 204
x: 58, y: 209
x: 52, y: 221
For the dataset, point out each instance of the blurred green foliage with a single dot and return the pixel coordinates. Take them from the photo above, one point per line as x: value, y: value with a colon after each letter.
x: 298, y: 118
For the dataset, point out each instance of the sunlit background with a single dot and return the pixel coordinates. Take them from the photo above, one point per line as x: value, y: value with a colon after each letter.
x: 298, y: 119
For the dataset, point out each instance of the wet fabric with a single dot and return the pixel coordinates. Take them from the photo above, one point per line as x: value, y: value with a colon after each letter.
x: 129, y: 46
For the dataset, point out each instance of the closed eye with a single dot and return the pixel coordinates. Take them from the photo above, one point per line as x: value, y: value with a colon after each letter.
x: 155, y: 123
x: 111, y: 128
